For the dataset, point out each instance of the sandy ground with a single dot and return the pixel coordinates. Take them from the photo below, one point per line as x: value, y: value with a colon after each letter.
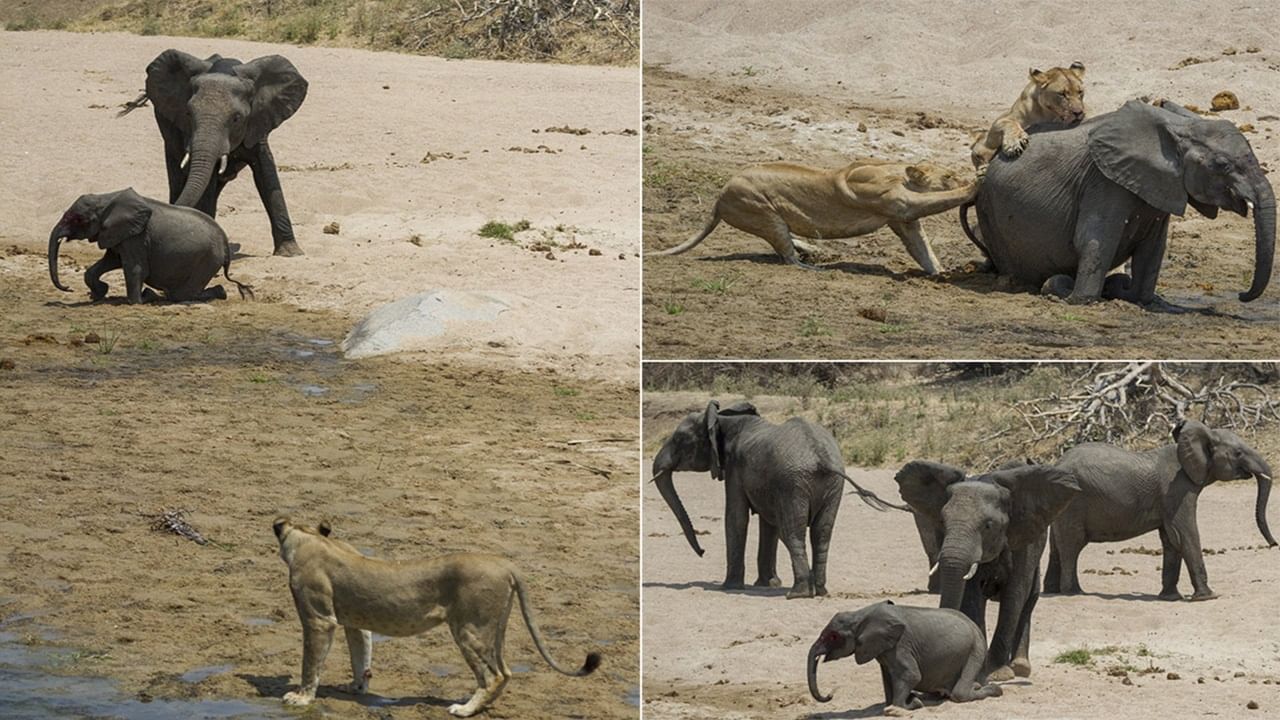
x: 353, y: 154
x: 239, y: 411
x: 733, y: 84
x: 712, y: 654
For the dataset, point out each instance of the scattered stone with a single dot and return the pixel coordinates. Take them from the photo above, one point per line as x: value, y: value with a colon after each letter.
x: 92, y: 338
x: 1189, y: 61
x: 39, y: 338
x: 1229, y: 51
x: 899, y: 133
x: 1173, y: 676
x: 594, y: 252
x: 874, y: 314
x: 1253, y: 49
x: 862, y: 127
x: 386, y: 87
x: 1252, y: 704
x: 1199, y: 681
x: 332, y: 228
x: 416, y: 239
x: 550, y: 255
x: 1126, y: 681
x: 1193, y: 108
x: 1247, y: 127
x: 1239, y: 674
x: 7, y: 364
x: 1225, y: 100
x: 622, y: 256
x: 568, y: 130
x: 431, y: 157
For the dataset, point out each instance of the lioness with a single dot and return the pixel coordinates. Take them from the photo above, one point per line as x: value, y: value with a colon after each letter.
x: 1053, y: 96
x: 333, y: 584
x: 775, y: 200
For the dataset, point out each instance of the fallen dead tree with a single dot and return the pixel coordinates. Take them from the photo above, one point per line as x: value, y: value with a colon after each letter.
x: 1123, y: 403
x: 526, y: 28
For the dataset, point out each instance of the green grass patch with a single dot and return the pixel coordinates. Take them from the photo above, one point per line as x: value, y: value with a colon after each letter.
x: 1079, y: 656
x: 673, y: 308
x: 811, y: 327
x: 716, y: 286
x: 562, y: 391
x: 502, y: 231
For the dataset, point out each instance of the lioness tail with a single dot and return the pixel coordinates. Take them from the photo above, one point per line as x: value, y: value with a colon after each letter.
x: 593, y: 659
x: 692, y: 242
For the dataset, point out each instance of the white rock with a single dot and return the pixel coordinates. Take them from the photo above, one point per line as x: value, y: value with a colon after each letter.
x: 405, y: 324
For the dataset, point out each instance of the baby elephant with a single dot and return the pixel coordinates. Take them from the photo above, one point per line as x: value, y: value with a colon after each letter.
x: 176, y: 250
x: 919, y: 649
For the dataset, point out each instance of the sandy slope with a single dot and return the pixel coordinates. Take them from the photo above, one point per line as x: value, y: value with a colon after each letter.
x: 711, y: 654
x: 352, y: 155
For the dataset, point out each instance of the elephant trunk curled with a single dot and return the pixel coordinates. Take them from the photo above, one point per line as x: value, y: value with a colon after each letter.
x: 667, y: 487
x: 1260, y: 506
x: 815, y: 651
x: 206, y: 151
x: 55, y: 238
x: 1264, y: 225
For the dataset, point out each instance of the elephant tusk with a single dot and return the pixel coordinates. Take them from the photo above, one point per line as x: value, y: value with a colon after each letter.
x: 972, y: 571
x: 933, y: 570
x: 185, y: 159
x: 654, y: 478
x: 222, y: 165
x: 1265, y: 477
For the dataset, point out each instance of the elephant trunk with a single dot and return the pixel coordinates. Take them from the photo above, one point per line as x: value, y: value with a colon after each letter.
x: 1260, y: 506
x: 956, y: 565
x: 55, y: 239
x: 667, y: 487
x: 206, y: 152
x: 1264, y: 225
x: 815, y: 651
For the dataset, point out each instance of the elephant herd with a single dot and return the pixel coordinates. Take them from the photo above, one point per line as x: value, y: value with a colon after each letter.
x: 215, y: 116
x: 984, y: 534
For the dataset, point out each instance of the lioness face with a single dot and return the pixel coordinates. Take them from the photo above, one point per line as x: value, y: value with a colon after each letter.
x: 1062, y: 92
x: 927, y: 177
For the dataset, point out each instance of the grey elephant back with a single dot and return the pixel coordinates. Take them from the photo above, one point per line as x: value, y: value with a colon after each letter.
x: 1027, y: 206
x: 795, y: 447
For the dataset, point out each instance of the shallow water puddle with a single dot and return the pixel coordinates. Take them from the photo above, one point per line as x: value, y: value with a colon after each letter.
x: 632, y: 696
x: 29, y: 691
x: 200, y: 674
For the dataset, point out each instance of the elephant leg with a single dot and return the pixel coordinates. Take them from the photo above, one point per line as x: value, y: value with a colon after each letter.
x: 903, y: 678
x: 913, y: 238
x: 1069, y: 541
x: 1021, y: 663
x: 1059, y: 286
x: 1147, y: 259
x: 1102, y: 220
x: 736, y: 516
x: 1171, y: 568
x: 792, y: 532
x: 267, y: 180
x: 887, y: 681
x: 974, y: 605
x: 1187, y: 535
x: 820, y: 539
x: 135, y: 274
x: 767, y: 556
x: 92, y: 277
x: 968, y: 686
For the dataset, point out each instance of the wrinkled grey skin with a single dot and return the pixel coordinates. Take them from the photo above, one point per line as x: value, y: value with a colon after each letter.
x: 926, y: 650
x: 173, y: 249
x: 791, y: 475
x: 1125, y: 494
x: 994, y: 526
x: 1083, y: 200
x: 221, y: 110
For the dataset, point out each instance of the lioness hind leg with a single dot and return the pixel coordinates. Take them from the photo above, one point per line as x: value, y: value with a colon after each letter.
x: 482, y: 651
x: 317, y: 637
x: 360, y: 644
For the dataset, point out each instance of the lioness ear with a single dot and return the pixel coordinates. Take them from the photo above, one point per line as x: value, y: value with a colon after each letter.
x: 278, y: 526
x: 915, y: 175
x: 1077, y: 67
x: 325, y: 528
x: 1038, y: 77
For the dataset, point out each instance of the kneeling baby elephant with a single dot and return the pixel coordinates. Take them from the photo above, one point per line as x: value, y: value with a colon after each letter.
x: 176, y: 250
x: 919, y: 649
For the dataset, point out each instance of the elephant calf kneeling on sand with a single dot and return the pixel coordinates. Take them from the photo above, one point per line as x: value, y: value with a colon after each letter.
x: 920, y: 650
x: 173, y: 249
x: 791, y: 475
x: 1125, y: 494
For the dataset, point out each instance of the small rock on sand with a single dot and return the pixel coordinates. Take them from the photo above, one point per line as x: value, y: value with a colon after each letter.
x: 1252, y: 705
x: 1226, y: 100
x: 332, y: 228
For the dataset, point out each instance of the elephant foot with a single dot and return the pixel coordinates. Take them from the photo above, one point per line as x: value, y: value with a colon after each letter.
x: 988, y: 691
x: 98, y: 291
x: 1059, y: 286
x: 774, y: 581
x: 1117, y: 287
x: 1201, y: 595
x: 1170, y: 595
x: 150, y: 296
x: 217, y: 292
x: 1021, y: 667
x: 1001, y: 674
x: 820, y: 591
x: 896, y: 711
x: 732, y: 585
x: 288, y: 248
x: 800, y: 591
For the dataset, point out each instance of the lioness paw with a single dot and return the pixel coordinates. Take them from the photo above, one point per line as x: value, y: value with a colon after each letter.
x: 460, y: 710
x: 1013, y: 147
x: 298, y: 698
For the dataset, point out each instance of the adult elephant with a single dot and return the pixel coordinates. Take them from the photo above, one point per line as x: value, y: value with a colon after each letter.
x: 990, y: 531
x: 1082, y: 200
x: 215, y: 115
x: 1125, y: 494
x: 791, y: 475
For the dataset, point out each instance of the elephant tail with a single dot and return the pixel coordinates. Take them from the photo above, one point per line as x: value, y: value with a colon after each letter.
x: 246, y: 291
x: 133, y: 104
x: 871, y: 498
x: 971, y: 234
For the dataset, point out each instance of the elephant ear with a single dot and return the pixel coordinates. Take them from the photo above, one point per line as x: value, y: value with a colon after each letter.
x: 712, y: 420
x: 124, y: 217
x: 1195, y: 447
x: 923, y: 485
x: 1134, y: 148
x: 169, y: 83
x: 878, y: 634
x: 1038, y: 493
x: 278, y: 92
